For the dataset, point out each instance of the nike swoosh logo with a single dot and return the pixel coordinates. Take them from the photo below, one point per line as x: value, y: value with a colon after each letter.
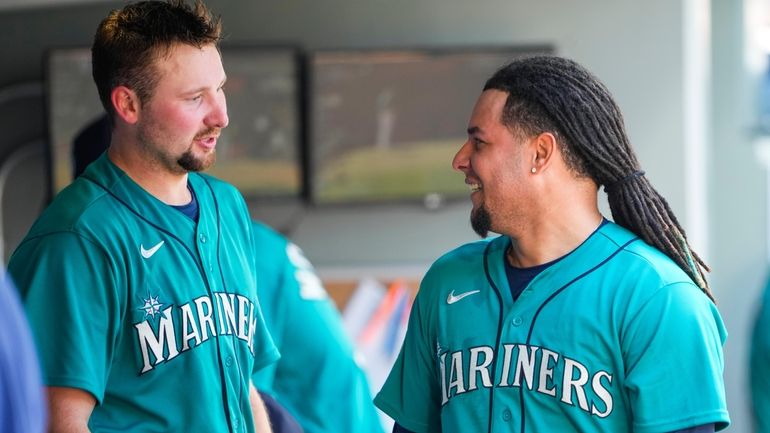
x: 149, y: 253
x: 452, y: 298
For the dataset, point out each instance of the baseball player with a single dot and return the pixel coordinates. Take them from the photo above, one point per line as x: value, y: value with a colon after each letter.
x: 139, y: 278
x: 759, y: 366
x: 567, y: 322
x: 317, y: 378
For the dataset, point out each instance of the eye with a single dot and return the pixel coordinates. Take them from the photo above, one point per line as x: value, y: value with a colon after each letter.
x: 196, y: 98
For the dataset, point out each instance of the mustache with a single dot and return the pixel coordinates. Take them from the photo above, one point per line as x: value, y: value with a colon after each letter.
x: 208, y: 133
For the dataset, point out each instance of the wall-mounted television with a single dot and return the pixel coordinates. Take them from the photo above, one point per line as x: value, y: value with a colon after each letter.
x: 385, y: 124
x: 260, y: 152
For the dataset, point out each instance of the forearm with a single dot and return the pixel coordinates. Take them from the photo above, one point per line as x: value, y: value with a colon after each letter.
x: 69, y: 410
x: 67, y: 427
x: 259, y: 413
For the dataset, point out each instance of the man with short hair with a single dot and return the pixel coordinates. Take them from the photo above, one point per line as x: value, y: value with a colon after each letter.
x: 139, y: 278
x: 567, y: 322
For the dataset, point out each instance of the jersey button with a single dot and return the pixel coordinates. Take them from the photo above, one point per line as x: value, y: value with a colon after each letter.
x: 507, y: 415
x: 229, y: 361
x: 517, y: 321
x: 202, y: 237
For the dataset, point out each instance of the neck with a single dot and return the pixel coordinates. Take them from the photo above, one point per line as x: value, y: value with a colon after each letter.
x: 546, y: 242
x: 161, y: 183
x: 558, y: 225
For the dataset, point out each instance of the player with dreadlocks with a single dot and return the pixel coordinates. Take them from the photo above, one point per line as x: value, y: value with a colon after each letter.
x: 567, y: 321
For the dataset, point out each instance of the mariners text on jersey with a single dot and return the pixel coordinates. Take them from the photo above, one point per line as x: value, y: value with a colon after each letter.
x: 174, y: 330
x: 533, y: 367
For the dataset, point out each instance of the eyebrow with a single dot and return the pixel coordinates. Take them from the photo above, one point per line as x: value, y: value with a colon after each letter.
x: 201, y: 89
x: 474, y: 130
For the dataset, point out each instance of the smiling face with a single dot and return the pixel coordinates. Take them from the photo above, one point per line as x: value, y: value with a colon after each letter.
x: 178, y: 126
x: 496, y: 166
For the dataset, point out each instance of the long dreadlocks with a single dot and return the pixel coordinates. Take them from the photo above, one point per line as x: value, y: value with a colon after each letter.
x: 559, y: 96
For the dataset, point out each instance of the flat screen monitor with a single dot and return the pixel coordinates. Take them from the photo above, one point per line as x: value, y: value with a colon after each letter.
x: 260, y: 150
x: 385, y: 124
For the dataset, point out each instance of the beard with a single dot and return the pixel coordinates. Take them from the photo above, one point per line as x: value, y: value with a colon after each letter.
x: 186, y: 162
x: 481, y: 221
x: 189, y: 162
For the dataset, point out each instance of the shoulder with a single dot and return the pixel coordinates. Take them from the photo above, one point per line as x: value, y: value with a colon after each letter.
x: 636, y: 257
x: 266, y: 238
x: 640, y: 277
x: 80, y: 204
x: 463, y: 262
x: 470, y: 252
x: 270, y: 250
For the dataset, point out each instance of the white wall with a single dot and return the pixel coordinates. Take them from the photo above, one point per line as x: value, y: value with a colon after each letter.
x: 634, y: 47
x: 737, y: 183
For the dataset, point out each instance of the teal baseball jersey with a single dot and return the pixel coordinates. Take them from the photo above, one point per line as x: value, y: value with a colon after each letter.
x: 614, y: 337
x: 317, y: 378
x: 154, y: 315
x: 759, y: 363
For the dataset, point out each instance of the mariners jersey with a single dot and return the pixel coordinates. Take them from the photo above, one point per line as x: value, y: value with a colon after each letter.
x: 759, y: 362
x: 153, y: 314
x: 614, y: 337
x: 317, y: 378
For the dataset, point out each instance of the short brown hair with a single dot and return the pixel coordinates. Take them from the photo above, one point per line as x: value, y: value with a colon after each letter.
x: 129, y: 40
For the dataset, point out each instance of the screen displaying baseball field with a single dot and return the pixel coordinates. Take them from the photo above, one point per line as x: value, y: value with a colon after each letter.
x: 385, y: 124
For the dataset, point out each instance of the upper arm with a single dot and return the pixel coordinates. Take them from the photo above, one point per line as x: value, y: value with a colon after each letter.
x: 70, y: 409
x: 73, y: 305
x: 673, y: 389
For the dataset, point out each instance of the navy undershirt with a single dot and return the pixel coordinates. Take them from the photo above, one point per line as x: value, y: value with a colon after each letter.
x: 189, y: 209
x: 519, y: 278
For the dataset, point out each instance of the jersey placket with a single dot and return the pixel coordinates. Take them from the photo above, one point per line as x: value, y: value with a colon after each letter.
x: 515, y: 363
x: 206, y: 237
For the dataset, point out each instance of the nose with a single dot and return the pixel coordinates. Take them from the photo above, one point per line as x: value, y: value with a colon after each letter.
x: 461, y: 161
x: 218, y: 116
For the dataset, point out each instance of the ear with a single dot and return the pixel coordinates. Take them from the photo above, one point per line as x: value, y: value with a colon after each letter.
x: 126, y: 104
x: 544, y: 147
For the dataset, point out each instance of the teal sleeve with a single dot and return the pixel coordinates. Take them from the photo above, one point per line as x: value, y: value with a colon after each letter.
x: 672, y: 349
x: 266, y: 349
x: 411, y: 394
x: 269, y: 288
x: 74, y: 308
x: 759, y: 373
x: 266, y: 352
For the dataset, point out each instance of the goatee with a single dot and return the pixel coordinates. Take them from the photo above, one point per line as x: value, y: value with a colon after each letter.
x: 189, y: 162
x: 481, y: 221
